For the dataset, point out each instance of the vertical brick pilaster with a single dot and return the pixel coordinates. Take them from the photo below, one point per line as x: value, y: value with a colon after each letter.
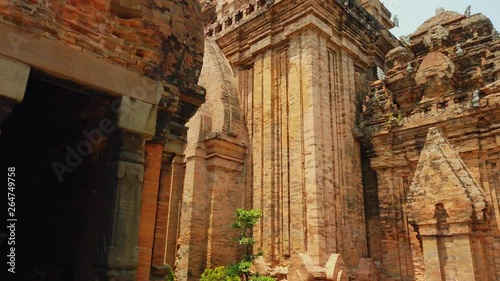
x: 152, y: 171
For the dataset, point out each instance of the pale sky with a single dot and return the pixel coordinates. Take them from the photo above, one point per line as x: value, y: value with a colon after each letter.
x: 412, y: 13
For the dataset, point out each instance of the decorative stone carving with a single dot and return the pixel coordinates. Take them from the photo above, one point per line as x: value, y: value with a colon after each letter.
x: 398, y: 56
x: 409, y: 68
x: 460, y: 51
x: 467, y: 11
x: 405, y: 39
x: 121, y: 240
x: 475, y: 99
x: 395, y: 21
x: 442, y: 178
x: 495, y: 35
x: 435, y: 75
x: 380, y: 73
x: 436, y: 37
x: 476, y: 26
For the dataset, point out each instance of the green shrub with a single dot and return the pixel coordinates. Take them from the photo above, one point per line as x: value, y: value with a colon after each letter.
x: 220, y: 273
x: 170, y: 275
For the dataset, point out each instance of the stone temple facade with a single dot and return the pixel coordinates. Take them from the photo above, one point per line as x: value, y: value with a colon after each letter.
x: 431, y: 129
x: 372, y: 158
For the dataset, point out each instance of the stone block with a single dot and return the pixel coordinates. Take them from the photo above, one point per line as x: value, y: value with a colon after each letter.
x: 137, y: 117
x: 13, y: 78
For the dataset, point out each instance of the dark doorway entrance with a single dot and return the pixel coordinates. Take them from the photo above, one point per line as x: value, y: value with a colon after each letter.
x: 59, y: 197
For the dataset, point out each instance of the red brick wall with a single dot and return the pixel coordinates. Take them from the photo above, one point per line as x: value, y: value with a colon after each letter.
x: 161, y: 39
x: 148, y: 208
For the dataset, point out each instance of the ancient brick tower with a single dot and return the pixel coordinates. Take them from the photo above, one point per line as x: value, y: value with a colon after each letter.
x: 277, y: 133
x: 363, y: 177
x: 431, y: 127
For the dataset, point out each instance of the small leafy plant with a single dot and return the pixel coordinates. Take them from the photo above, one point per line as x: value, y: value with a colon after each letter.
x: 394, y: 121
x: 245, y: 221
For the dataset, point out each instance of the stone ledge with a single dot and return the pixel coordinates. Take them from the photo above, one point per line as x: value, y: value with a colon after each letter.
x: 308, y: 21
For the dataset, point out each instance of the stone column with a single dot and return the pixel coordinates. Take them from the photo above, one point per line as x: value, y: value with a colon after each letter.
x: 447, y: 257
x: 153, y: 163
x: 173, y: 194
x: 431, y: 258
x: 13, y: 81
x: 460, y: 251
x: 136, y: 122
x: 225, y: 164
x: 167, y: 215
x: 194, y: 217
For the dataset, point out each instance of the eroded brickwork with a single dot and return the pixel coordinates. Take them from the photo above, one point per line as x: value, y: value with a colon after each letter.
x: 145, y: 54
x: 156, y: 38
x: 446, y: 76
x: 299, y: 70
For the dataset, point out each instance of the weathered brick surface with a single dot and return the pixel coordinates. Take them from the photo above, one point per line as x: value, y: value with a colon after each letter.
x: 214, y: 180
x: 148, y: 210
x: 161, y: 39
x: 298, y: 79
x: 429, y: 83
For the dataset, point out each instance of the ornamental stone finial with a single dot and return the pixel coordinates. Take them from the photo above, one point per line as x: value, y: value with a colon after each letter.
x: 405, y: 39
x: 395, y: 21
x: 409, y: 68
x: 467, y: 11
x: 460, y: 51
x: 380, y: 73
x: 475, y: 99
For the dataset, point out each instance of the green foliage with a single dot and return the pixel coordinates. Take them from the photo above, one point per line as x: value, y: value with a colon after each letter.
x: 170, y: 275
x: 221, y: 273
x: 246, y: 220
x: 394, y: 121
x: 261, y: 278
x: 244, y: 266
x: 246, y: 241
x: 233, y: 269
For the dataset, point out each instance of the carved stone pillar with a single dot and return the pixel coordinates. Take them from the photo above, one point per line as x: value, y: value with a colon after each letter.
x: 120, y: 240
x: 13, y: 81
